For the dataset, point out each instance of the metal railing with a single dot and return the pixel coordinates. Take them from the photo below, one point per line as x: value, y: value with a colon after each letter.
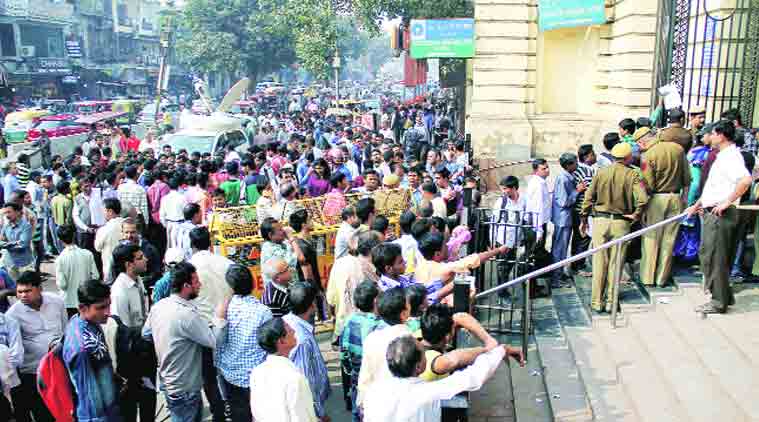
x: 614, y: 284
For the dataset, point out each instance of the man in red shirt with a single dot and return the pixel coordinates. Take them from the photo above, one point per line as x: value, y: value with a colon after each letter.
x: 128, y: 142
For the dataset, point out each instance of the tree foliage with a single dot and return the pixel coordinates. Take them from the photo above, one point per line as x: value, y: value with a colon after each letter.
x: 238, y: 36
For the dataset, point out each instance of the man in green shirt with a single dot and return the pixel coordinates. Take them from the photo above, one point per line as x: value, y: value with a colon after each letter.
x: 233, y: 185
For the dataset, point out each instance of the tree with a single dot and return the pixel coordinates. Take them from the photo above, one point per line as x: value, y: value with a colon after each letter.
x: 239, y: 36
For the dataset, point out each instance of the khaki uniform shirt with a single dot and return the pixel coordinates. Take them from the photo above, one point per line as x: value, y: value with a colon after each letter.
x: 615, y: 189
x: 678, y: 135
x: 665, y: 168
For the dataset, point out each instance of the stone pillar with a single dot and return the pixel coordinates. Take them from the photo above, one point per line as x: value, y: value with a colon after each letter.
x: 503, y: 79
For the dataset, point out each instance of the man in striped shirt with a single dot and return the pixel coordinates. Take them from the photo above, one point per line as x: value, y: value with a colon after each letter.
x: 276, y: 295
x: 586, y: 169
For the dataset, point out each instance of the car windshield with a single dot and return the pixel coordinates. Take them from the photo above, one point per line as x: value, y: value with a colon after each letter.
x: 191, y: 143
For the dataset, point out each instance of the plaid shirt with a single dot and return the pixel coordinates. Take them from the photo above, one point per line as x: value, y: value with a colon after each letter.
x: 238, y: 351
x: 358, y: 326
x: 133, y: 194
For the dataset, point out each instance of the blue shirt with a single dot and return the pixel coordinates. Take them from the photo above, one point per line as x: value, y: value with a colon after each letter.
x: 238, y: 351
x: 85, y: 354
x: 308, y: 358
x: 162, y: 287
x: 386, y: 282
x: 6, y: 282
x: 20, y: 232
x: 10, y: 184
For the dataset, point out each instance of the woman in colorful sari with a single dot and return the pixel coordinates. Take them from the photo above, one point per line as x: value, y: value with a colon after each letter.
x: 689, y: 236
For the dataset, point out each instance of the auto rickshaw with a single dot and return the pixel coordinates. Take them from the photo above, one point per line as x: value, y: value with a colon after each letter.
x: 126, y: 106
x: 18, y: 123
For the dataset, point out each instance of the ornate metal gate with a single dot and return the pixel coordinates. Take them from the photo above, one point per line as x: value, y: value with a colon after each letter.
x: 711, y: 54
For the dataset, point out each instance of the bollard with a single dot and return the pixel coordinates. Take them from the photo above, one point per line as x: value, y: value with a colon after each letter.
x: 461, y: 288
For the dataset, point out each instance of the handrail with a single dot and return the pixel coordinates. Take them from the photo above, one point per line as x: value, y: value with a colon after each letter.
x: 583, y: 255
x: 580, y: 256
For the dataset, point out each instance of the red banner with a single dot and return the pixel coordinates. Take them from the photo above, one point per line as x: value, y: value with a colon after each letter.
x: 414, y: 71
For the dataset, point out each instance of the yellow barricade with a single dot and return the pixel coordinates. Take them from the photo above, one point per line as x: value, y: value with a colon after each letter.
x: 236, y: 231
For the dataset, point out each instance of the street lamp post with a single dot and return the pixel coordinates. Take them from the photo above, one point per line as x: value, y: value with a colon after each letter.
x: 336, y: 65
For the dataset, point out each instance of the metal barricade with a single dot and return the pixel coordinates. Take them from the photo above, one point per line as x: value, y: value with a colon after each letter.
x: 495, y: 228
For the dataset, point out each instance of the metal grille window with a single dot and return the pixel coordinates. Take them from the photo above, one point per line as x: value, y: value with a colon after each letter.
x: 710, y: 51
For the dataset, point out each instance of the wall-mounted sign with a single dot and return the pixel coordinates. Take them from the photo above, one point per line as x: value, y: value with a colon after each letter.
x: 52, y: 65
x: 553, y: 14
x: 74, y: 49
x: 442, y: 38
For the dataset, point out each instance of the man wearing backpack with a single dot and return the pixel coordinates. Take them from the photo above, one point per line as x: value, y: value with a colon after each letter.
x: 42, y: 319
x: 87, y: 358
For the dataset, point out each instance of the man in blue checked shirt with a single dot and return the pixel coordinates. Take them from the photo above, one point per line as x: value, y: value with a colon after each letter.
x: 306, y: 355
x: 238, y: 351
x: 358, y: 326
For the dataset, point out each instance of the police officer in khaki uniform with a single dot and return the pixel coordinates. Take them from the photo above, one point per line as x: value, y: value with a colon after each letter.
x: 697, y: 116
x: 675, y: 132
x: 666, y: 174
x: 615, y: 199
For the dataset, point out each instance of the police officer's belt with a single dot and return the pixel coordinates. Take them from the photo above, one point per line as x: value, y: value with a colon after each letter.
x: 599, y: 214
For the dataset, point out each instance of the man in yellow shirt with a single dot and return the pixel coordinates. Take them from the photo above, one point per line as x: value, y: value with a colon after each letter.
x: 439, y: 325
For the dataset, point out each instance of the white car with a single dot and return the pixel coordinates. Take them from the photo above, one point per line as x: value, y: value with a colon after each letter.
x: 211, y: 140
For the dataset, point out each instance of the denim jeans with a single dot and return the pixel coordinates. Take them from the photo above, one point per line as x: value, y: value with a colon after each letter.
x: 184, y: 407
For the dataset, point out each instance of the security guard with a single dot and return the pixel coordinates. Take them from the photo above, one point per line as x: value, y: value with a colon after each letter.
x: 616, y: 199
x: 666, y: 173
x: 675, y: 132
x: 697, y: 116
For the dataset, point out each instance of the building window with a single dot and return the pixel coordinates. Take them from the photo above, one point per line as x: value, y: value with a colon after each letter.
x: 47, y: 41
x: 7, y: 40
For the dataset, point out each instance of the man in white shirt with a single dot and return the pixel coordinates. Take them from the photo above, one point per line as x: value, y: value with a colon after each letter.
x: 393, y: 308
x: 171, y: 212
x: 41, y: 317
x: 132, y: 195
x: 109, y: 236
x: 212, y: 270
x: 128, y: 295
x: 406, y: 397
x: 539, y: 198
x: 73, y: 267
x: 347, y: 228
x: 180, y: 234
x: 279, y: 391
x: 727, y: 181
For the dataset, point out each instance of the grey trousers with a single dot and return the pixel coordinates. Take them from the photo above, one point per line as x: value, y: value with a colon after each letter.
x: 716, y: 253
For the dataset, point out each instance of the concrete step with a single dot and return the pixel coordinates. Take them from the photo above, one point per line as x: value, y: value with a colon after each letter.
x: 650, y: 395
x: 598, y: 374
x: 531, y: 402
x: 684, y: 373
x: 569, y: 401
x: 739, y: 325
x: 724, y: 360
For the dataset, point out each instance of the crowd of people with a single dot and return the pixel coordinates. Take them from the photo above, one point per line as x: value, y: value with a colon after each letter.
x: 645, y: 175
x: 146, y: 305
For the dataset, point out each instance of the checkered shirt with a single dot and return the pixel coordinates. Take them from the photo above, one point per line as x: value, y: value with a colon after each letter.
x: 239, y: 351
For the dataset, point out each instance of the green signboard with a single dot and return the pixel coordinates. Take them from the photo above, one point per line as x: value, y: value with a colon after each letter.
x: 442, y: 38
x: 553, y: 14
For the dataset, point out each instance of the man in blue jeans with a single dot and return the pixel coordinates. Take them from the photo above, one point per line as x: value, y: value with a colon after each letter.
x: 180, y: 334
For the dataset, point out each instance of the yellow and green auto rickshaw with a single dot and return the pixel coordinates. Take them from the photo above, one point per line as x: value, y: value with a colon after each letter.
x: 129, y: 107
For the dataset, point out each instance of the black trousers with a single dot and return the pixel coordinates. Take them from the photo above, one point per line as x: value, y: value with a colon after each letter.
x: 579, y: 243
x: 211, y: 387
x: 717, y: 251
x: 137, y: 395
x: 27, y: 401
x: 238, y: 401
x: 87, y: 241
